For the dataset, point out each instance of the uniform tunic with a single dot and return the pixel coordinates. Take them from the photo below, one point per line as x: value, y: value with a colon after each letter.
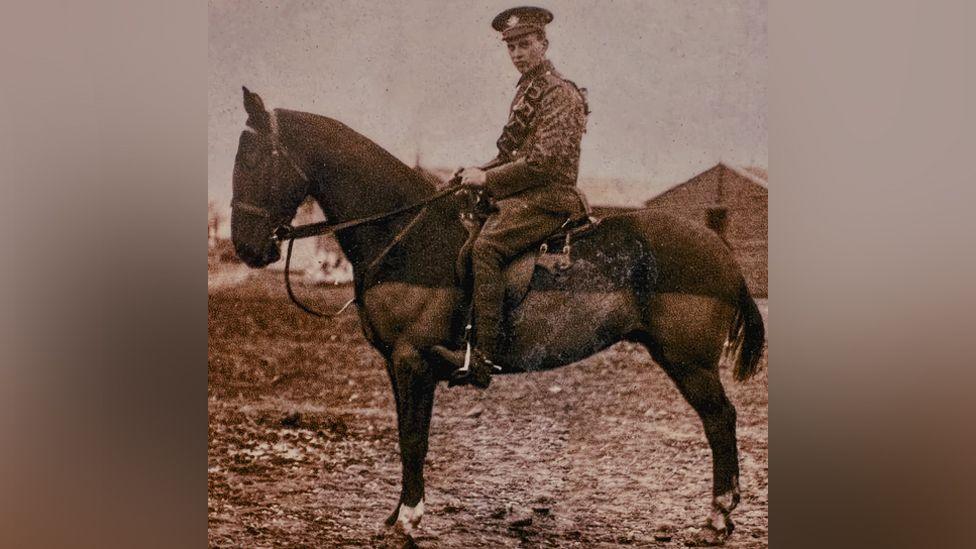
x: 540, y: 146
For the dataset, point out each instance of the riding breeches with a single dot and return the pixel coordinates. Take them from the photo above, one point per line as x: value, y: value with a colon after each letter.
x: 516, y: 227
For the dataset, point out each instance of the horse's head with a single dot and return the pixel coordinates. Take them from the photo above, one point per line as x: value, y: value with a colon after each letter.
x: 269, y: 185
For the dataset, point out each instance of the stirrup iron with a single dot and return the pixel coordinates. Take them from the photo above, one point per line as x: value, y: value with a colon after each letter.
x: 467, y: 357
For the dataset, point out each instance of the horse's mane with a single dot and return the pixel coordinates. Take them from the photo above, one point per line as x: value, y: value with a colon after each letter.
x: 347, y: 147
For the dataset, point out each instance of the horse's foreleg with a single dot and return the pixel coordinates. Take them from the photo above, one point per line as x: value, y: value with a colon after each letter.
x: 391, y: 520
x: 415, y: 384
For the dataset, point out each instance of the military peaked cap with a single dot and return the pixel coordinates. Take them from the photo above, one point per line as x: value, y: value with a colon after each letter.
x: 516, y: 22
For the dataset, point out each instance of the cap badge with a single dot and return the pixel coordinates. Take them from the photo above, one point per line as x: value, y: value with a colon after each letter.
x: 512, y: 21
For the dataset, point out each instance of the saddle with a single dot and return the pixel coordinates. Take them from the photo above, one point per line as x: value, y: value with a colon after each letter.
x: 554, y: 256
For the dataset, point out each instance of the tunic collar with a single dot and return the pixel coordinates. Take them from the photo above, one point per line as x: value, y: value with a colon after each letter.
x: 541, y: 68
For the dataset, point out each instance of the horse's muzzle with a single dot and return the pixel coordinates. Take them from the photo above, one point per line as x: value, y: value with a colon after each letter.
x: 272, y: 254
x: 268, y: 254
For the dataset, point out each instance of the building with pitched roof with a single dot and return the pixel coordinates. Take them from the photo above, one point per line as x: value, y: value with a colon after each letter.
x: 732, y: 201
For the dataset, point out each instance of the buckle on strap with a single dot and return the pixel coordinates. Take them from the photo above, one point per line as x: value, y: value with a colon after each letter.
x: 282, y: 233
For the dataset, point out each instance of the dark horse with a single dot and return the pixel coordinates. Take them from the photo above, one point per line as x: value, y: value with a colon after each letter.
x: 679, y: 293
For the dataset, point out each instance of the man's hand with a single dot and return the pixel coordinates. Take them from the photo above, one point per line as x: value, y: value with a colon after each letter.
x: 473, y: 178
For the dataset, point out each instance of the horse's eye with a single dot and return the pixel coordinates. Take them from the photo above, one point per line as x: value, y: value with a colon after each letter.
x: 251, y: 158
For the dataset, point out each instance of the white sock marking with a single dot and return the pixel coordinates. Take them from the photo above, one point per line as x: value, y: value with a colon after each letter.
x: 409, y: 517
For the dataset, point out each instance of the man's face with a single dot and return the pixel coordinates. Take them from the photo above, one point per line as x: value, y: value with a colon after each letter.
x: 527, y: 51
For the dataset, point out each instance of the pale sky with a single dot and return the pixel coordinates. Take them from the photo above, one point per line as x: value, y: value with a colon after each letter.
x: 674, y: 85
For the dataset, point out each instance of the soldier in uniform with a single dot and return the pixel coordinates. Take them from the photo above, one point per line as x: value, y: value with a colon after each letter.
x: 532, y: 181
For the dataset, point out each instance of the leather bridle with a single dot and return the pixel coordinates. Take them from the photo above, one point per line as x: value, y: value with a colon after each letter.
x: 282, y: 230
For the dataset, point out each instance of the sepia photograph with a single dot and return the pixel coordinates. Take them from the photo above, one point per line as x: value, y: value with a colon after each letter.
x: 485, y: 274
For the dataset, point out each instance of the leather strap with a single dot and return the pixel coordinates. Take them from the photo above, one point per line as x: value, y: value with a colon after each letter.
x: 521, y: 117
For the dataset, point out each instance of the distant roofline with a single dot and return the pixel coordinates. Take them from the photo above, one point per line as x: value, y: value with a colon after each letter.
x: 750, y: 176
x: 738, y: 171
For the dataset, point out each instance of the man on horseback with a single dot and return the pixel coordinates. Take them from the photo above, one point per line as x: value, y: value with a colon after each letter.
x: 532, y: 180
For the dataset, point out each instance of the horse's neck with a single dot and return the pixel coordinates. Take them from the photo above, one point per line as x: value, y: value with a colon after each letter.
x: 424, y: 252
x: 363, y: 243
x: 358, y: 179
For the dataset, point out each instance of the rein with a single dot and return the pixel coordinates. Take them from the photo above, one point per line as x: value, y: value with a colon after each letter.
x: 291, y: 234
x: 286, y: 232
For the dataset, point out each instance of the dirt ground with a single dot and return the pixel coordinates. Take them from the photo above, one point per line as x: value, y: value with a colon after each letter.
x: 303, y: 444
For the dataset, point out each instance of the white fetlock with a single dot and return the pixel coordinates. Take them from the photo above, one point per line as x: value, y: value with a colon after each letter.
x: 729, y: 500
x: 409, y: 517
x: 717, y: 521
x: 722, y: 506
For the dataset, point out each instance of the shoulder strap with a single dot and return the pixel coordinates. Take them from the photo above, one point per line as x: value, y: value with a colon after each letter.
x: 582, y: 93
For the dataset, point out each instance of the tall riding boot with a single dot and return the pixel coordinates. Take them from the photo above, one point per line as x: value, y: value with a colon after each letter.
x: 489, y: 295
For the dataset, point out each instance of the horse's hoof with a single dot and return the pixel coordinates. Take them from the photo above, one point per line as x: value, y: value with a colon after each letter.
x: 392, y: 538
x: 709, y: 536
x: 400, y: 536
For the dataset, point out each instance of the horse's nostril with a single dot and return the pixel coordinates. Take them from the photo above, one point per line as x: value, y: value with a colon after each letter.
x: 247, y: 254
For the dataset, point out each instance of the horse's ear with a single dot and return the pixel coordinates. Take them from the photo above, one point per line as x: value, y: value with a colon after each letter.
x: 257, y: 116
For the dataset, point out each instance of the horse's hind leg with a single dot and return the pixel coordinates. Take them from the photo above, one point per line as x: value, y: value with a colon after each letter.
x: 686, y: 339
x: 703, y: 390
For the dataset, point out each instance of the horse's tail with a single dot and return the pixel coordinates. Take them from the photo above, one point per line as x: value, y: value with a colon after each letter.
x: 746, y: 336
